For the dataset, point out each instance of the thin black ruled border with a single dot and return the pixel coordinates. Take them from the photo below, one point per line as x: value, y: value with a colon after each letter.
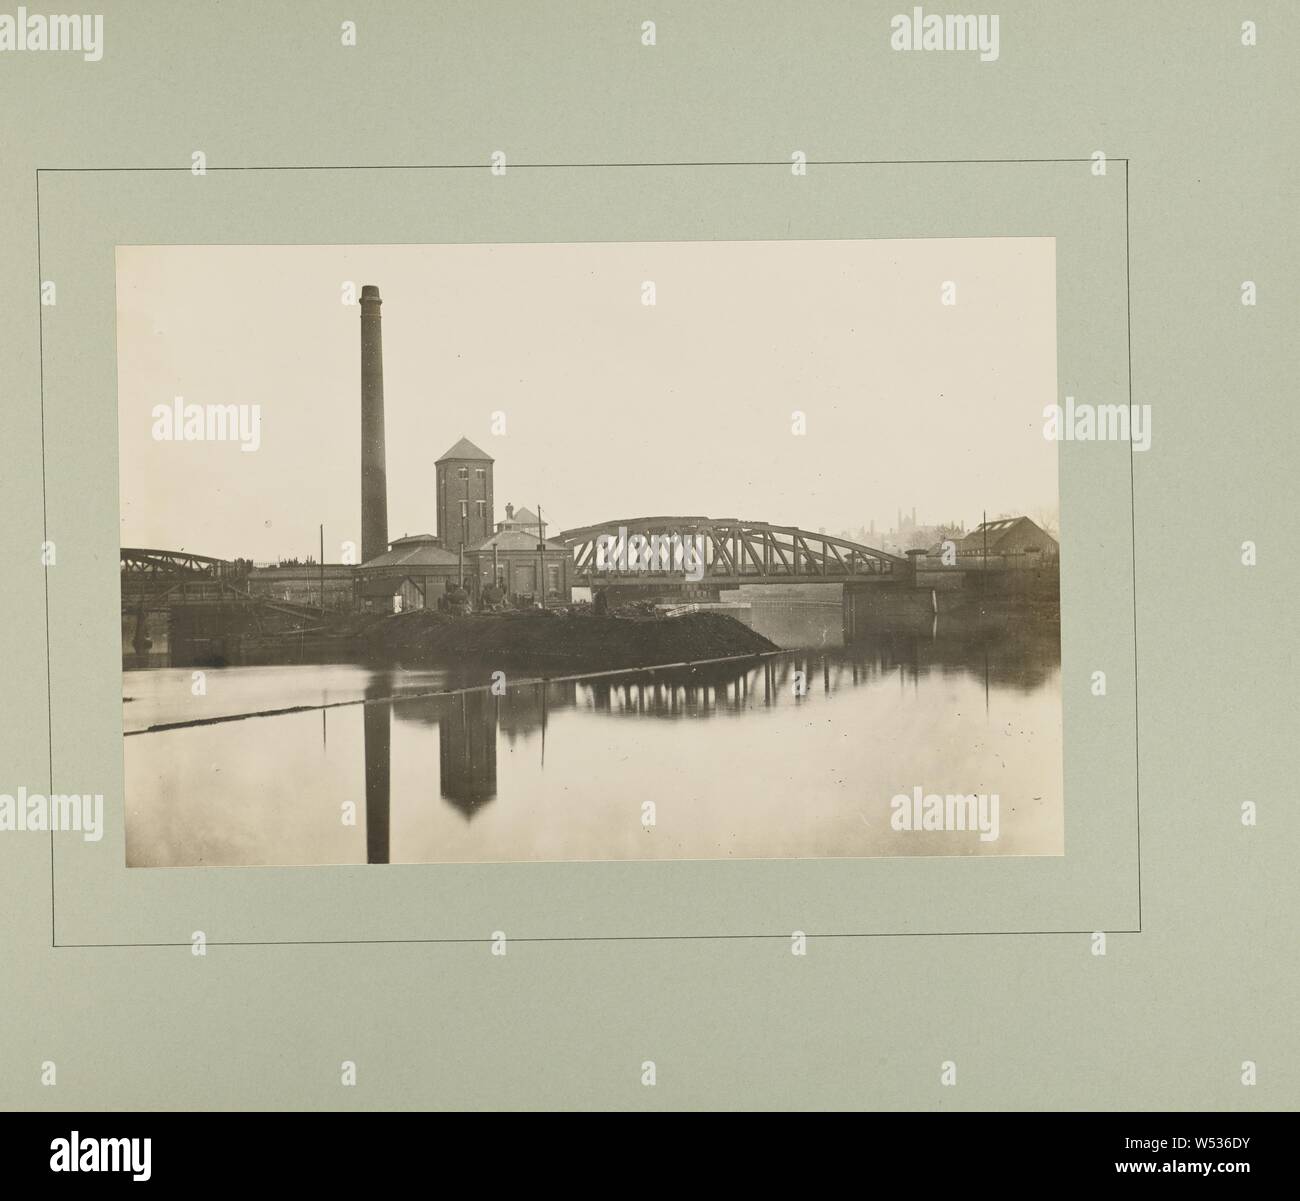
x: 1128, y: 317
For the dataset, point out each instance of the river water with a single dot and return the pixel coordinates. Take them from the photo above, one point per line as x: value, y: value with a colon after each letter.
x: 795, y: 755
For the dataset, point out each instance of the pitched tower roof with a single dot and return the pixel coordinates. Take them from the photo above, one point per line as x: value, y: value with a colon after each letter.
x: 465, y: 449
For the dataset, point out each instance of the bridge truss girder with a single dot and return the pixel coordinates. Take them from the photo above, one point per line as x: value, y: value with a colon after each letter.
x: 139, y: 561
x: 641, y: 551
x: 160, y: 580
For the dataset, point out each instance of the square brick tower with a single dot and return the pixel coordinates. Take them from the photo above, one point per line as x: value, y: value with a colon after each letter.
x: 465, y: 512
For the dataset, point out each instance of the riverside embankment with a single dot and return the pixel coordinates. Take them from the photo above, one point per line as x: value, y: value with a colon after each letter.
x: 571, y: 641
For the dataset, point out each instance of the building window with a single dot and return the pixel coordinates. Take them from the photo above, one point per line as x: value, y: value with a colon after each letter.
x: 462, y: 473
x: 464, y: 509
x: 482, y: 509
x: 480, y: 473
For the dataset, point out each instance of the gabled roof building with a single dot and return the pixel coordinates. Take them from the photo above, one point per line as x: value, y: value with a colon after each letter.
x: 1008, y: 536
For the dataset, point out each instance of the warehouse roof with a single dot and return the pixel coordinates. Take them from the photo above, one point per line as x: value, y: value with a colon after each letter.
x: 419, y: 550
x: 998, y: 532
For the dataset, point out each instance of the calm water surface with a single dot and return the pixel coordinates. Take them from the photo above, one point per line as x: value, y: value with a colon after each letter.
x: 738, y: 763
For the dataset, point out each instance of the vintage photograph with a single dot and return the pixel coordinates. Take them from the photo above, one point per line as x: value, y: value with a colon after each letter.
x: 589, y: 551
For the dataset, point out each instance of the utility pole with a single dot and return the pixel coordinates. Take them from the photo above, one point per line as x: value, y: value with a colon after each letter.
x: 322, y: 569
x: 541, y: 556
x: 984, y: 581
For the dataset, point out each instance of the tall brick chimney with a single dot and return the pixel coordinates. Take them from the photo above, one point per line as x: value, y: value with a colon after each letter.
x: 374, y: 476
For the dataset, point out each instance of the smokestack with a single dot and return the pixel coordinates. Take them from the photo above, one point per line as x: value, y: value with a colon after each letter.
x: 374, y: 477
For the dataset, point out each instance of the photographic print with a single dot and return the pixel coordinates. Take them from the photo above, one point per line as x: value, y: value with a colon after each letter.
x: 589, y: 551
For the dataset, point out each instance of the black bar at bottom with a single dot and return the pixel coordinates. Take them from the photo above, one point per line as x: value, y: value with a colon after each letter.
x: 365, y: 1147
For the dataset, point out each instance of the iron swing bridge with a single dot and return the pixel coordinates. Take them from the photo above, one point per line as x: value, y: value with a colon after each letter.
x: 162, y: 580
x: 730, y: 553
x: 179, y: 563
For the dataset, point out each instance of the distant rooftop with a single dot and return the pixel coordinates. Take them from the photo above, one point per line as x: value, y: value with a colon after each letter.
x: 302, y: 571
x: 1005, y: 530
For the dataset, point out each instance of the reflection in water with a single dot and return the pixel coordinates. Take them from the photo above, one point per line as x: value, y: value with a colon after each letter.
x: 787, y: 756
x: 467, y: 752
x: 378, y: 743
x: 467, y: 737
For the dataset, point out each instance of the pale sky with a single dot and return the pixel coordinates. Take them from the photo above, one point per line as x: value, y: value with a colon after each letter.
x: 613, y: 408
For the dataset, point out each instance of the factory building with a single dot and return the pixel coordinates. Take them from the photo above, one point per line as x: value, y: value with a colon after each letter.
x: 412, y: 574
x: 470, y: 550
x: 520, y: 562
